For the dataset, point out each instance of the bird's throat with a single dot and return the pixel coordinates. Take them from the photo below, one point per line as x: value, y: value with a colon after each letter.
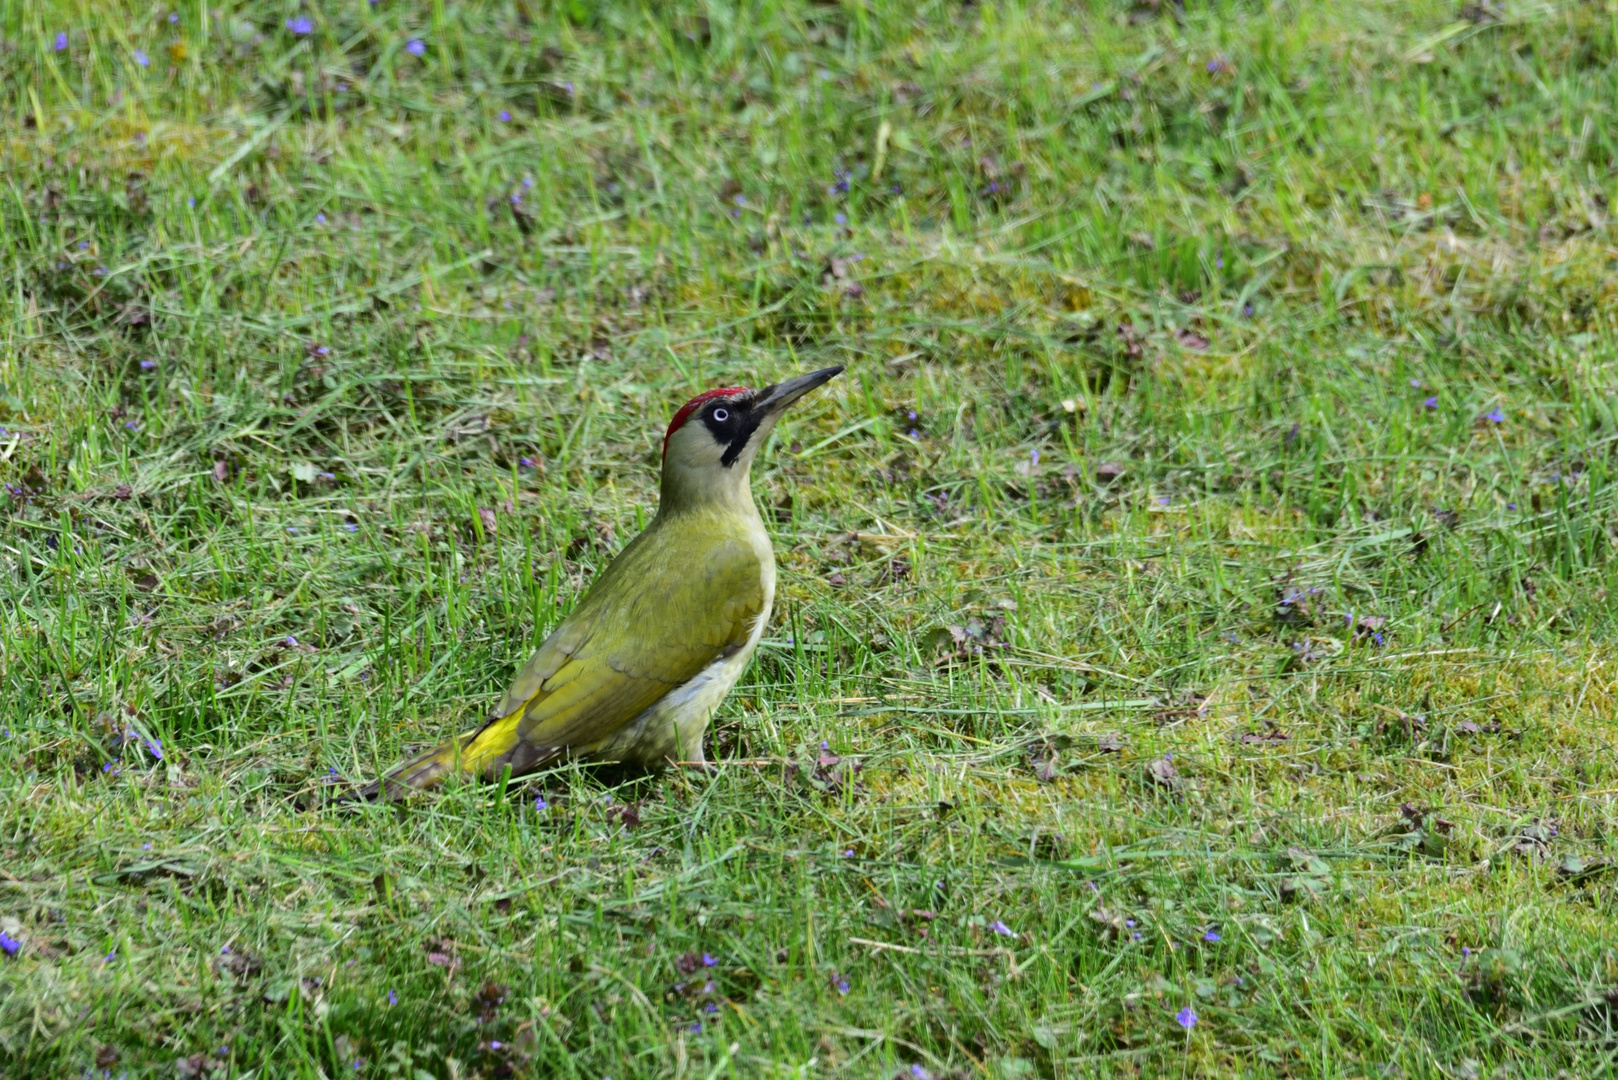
x: 720, y: 490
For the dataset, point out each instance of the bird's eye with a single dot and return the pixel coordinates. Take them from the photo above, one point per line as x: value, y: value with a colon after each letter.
x: 721, y: 415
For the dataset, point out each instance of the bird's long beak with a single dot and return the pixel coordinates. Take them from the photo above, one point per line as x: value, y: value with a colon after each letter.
x: 774, y: 399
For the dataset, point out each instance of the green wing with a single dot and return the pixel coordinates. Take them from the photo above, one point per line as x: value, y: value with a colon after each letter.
x: 649, y: 624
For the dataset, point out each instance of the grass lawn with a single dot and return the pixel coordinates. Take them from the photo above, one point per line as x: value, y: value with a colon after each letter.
x: 1194, y: 647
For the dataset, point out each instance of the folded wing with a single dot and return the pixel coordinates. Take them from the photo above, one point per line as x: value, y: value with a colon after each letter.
x: 614, y: 658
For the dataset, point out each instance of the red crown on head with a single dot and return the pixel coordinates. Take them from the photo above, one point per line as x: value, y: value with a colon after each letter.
x: 692, y: 406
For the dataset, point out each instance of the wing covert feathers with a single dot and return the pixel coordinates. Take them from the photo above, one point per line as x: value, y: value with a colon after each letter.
x: 623, y: 648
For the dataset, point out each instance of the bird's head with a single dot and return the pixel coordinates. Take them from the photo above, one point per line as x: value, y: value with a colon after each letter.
x: 711, y: 442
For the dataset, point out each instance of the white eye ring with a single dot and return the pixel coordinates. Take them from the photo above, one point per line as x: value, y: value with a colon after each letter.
x: 721, y: 415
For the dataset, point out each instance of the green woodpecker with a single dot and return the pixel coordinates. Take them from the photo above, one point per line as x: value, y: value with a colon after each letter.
x: 634, y: 673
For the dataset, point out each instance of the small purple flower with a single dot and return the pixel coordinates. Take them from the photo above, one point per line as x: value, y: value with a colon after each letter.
x: 147, y: 365
x: 920, y: 1073
x: 912, y: 414
x: 1431, y: 404
x: 505, y: 116
x: 708, y: 960
x: 1135, y: 936
x: 710, y: 1008
x: 393, y: 997
x: 1162, y: 500
x: 146, y: 846
x: 291, y: 642
x: 1033, y: 457
x: 174, y: 17
x: 1211, y: 936
x: 1415, y: 384
x: 191, y: 201
x: 540, y: 803
x: 1219, y: 262
x: 1511, y: 506
x: 842, y: 984
x: 224, y: 950
x: 1213, y: 66
x: 416, y: 47
x: 9, y: 943
x: 1186, y: 1018
x: 300, y: 26
x: 327, y: 476
x: 1002, y: 929
x: 848, y: 854
x: 61, y: 42
x: 142, y: 59
x: 1129, y: 923
x: 110, y: 957
x: 130, y: 425
x: 525, y: 462
x: 320, y: 218
x: 350, y: 526
x: 695, y: 1028
x: 1495, y: 416
x: 494, y: 1044
x: 1247, y: 311
x: 841, y: 219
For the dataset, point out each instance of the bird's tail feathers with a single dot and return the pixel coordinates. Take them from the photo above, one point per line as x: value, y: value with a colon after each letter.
x: 481, y: 752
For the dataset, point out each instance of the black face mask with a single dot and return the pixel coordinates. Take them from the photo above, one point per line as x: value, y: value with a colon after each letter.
x: 732, y: 424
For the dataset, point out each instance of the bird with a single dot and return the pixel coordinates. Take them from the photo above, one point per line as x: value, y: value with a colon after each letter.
x: 634, y: 673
